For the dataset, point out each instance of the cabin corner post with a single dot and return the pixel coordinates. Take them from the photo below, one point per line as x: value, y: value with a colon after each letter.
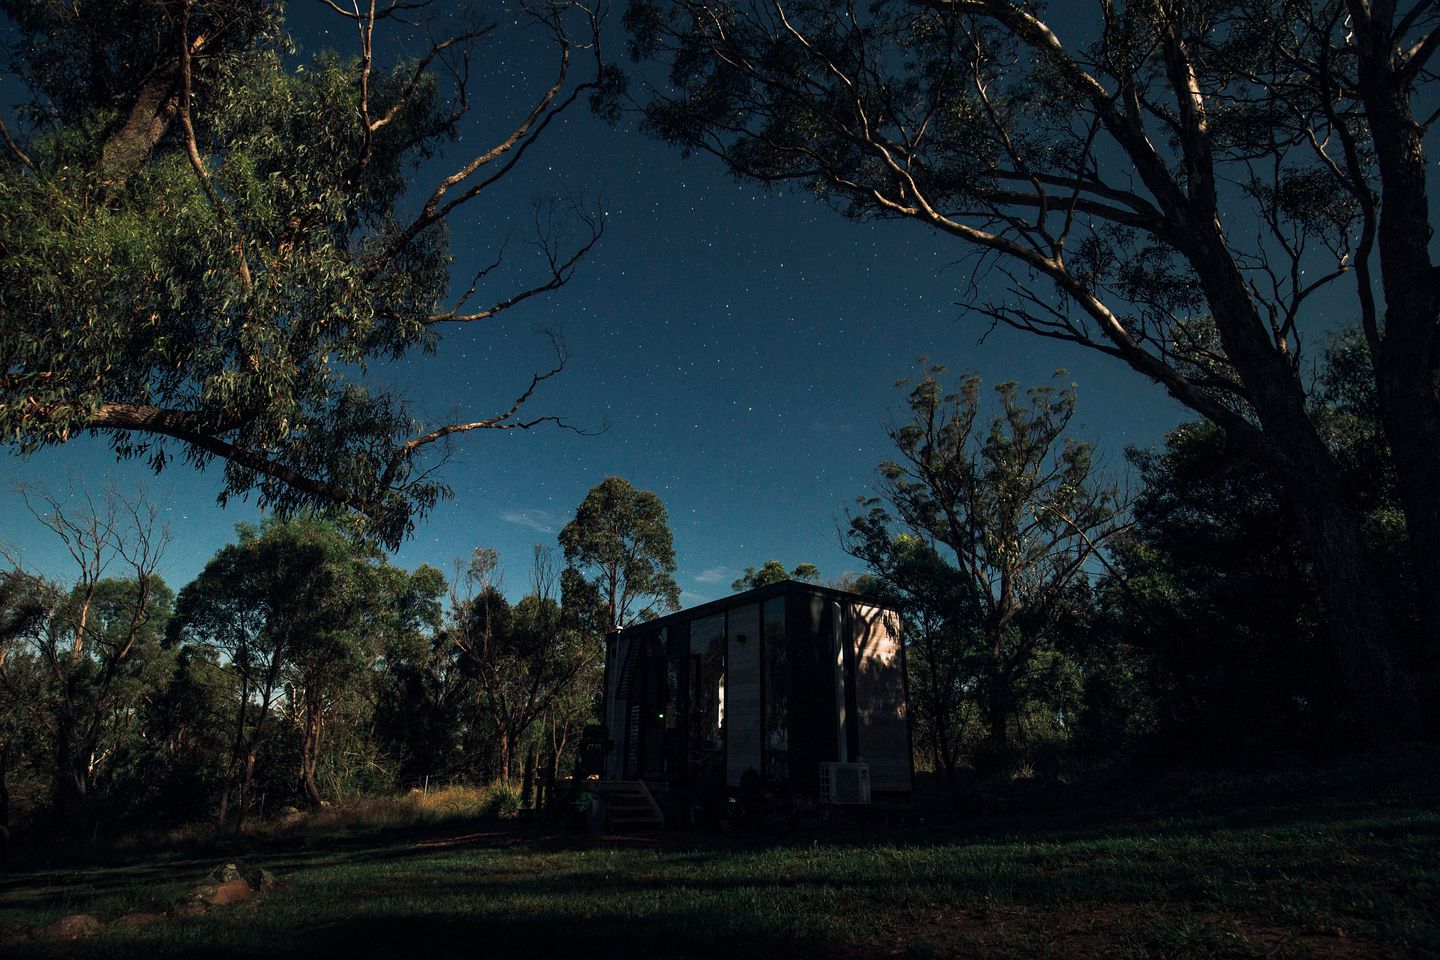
x: 609, y: 713
x: 838, y: 644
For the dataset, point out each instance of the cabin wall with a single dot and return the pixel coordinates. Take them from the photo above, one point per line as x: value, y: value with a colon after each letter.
x: 677, y: 745
x: 811, y: 654
x: 616, y: 706
x: 743, y: 716
x: 882, y: 729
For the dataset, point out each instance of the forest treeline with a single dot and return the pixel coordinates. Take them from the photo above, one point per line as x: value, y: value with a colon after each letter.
x: 1060, y: 623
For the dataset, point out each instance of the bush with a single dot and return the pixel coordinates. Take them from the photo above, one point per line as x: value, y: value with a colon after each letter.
x: 505, y: 800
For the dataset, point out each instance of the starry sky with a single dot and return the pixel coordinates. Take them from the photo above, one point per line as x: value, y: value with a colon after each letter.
x: 739, y: 346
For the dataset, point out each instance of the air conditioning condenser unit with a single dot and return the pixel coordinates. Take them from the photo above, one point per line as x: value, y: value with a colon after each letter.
x: 845, y: 783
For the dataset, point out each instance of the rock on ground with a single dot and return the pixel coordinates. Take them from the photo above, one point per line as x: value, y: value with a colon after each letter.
x: 228, y: 883
x: 73, y: 927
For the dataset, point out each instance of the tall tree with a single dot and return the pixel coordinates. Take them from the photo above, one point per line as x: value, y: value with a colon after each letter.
x: 93, y: 642
x: 1018, y: 508
x: 300, y: 609
x: 529, y: 661
x: 1196, y: 182
x: 1212, y: 592
x: 1215, y: 595
x: 619, y: 544
x: 204, y: 244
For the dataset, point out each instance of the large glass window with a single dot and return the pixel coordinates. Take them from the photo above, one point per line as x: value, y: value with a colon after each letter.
x: 707, y: 688
x: 777, y: 706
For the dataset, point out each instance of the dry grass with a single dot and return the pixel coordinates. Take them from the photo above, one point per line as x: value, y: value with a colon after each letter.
x: 416, y: 809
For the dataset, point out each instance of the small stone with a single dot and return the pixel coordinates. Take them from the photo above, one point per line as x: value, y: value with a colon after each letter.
x: 227, y: 872
x: 231, y: 891
x: 139, y: 919
x: 74, y: 927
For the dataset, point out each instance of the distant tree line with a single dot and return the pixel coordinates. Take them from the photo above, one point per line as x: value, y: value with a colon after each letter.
x: 300, y: 667
x: 1056, y: 627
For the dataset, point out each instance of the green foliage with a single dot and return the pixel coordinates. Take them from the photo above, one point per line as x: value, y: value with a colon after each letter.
x: 1219, y: 600
x: 533, y: 668
x: 620, y: 545
x: 505, y: 800
x: 1211, y: 623
x: 79, y: 661
x: 773, y: 571
x: 229, y: 311
x: 995, y: 518
x: 301, y: 610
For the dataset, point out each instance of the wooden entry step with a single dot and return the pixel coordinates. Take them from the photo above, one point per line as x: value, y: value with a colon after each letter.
x: 629, y: 805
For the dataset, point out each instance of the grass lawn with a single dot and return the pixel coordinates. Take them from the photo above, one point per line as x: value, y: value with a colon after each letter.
x: 1347, y: 866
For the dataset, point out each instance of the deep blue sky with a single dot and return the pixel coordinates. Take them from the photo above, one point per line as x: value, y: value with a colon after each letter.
x: 742, y: 345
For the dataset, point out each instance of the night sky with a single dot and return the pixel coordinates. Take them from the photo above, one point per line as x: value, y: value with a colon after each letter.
x: 742, y: 346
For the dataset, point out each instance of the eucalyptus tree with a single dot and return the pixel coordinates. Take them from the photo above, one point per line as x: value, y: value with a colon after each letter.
x: 534, y: 663
x: 773, y: 571
x: 1012, y: 510
x: 79, y: 658
x: 205, y: 243
x: 1189, y: 188
x: 619, y: 547
x: 301, y: 611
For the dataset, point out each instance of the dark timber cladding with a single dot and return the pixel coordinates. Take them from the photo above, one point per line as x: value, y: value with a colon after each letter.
x: 766, y: 684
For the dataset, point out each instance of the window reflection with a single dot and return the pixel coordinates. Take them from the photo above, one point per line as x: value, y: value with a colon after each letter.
x: 777, y: 726
x: 707, y: 689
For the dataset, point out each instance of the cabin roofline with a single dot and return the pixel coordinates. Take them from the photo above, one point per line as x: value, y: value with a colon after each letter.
x: 755, y: 594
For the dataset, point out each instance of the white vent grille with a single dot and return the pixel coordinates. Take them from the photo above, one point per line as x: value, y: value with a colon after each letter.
x: 845, y: 782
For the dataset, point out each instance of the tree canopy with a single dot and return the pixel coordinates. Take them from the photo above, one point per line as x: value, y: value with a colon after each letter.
x: 773, y: 571
x: 984, y: 526
x: 300, y: 610
x: 204, y: 244
x: 619, y: 546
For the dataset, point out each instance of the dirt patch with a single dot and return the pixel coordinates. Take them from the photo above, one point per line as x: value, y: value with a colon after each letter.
x: 1107, y: 929
x: 74, y: 927
x: 228, y: 885
x: 1336, y: 943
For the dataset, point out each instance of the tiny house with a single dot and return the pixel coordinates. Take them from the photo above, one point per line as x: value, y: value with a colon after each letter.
x: 793, y: 685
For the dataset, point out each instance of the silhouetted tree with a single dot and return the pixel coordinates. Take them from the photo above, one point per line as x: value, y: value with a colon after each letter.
x: 619, y: 544
x: 773, y: 571
x: 95, y: 643
x: 1018, y: 509
x: 301, y: 611
x: 1219, y: 601
x: 529, y: 661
